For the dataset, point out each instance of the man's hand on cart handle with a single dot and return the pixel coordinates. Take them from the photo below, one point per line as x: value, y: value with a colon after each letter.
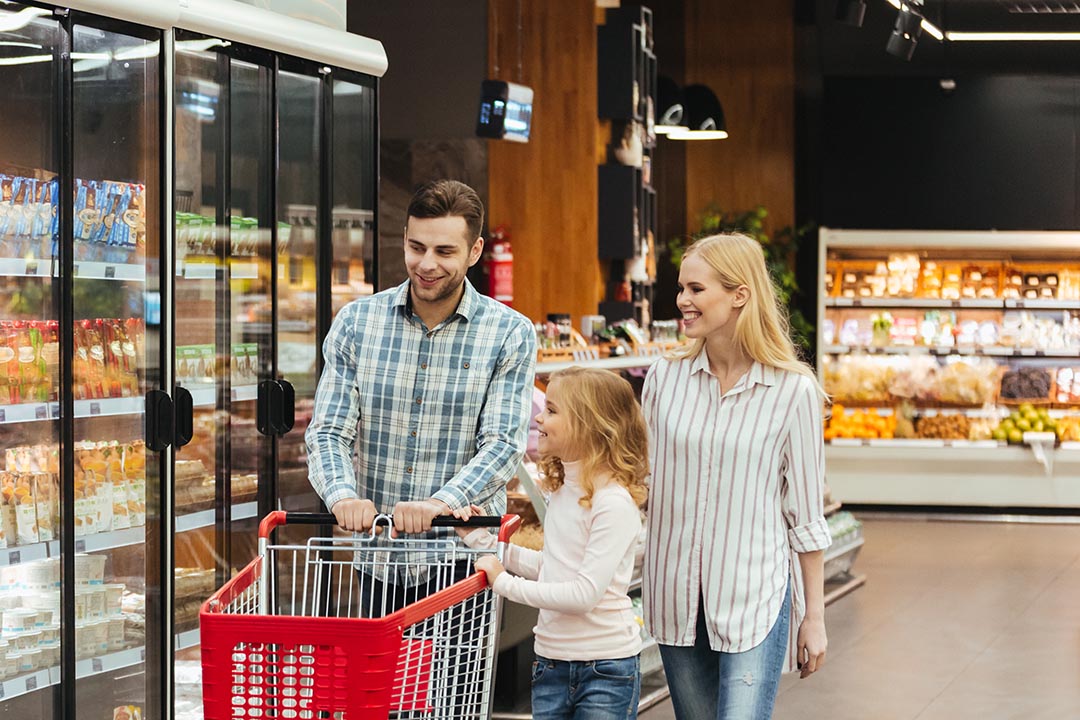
x: 416, y: 517
x: 491, y: 567
x: 464, y: 514
x: 355, y: 515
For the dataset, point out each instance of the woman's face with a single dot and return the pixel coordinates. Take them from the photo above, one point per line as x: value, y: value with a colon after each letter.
x: 707, y: 307
x: 554, y: 427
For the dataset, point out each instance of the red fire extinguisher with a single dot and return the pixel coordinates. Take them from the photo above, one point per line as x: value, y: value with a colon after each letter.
x: 499, y: 266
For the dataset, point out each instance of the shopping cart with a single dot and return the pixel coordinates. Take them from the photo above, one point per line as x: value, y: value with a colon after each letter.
x: 312, y: 631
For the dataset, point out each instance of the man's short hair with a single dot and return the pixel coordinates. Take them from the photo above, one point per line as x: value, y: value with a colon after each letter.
x: 449, y: 198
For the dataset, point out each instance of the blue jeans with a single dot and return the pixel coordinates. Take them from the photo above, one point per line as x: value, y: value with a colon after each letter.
x: 585, y: 689
x: 710, y: 685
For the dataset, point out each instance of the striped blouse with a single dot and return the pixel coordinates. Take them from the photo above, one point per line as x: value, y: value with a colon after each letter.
x: 737, y: 491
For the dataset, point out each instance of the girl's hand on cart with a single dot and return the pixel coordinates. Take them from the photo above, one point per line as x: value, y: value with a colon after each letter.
x: 491, y: 567
x: 354, y: 514
x: 464, y: 513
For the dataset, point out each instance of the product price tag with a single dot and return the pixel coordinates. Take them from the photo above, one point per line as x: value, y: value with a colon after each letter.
x: 96, y: 665
x: 31, y: 683
x: 110, y: 272
x: 142, y: 654
x: 54, y: 411
x: 2, y: 685
x: 3, y: 415
x: 80, y: 546
x: 41, y: 412
x: 31, y: 268
x: 95, y: 408
x: 75, y: 270
x: 14, y: 557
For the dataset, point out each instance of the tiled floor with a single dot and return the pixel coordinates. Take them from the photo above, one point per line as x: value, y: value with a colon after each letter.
x: 956, y: 621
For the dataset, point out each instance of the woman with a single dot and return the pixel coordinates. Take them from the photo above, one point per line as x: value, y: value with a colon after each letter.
x: 734, y: 561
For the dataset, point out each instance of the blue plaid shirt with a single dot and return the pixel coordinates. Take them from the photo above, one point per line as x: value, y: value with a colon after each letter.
x: 404, y: 412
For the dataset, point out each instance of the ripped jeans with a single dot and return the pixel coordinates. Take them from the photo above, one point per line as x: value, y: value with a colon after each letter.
x: 710, y: 685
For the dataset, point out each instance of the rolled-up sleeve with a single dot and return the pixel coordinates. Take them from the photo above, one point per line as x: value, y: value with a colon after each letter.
x: 803, y: 466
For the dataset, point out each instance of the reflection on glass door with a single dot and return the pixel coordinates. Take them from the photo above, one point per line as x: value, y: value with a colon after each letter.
x: 224, y: 326
x: 116, y: 126
x: 30, y: 652
x: 353, y: 234
x: 299, y: 169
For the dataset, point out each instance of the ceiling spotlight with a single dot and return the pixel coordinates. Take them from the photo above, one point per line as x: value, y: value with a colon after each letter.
x: 851, y: 12
x: 703, y: 115
x: 905, y: 34
x: 670, y: 110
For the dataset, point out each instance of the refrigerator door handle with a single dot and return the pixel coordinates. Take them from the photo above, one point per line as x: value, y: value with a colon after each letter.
x: 159, y: 420
x: 185, y: 414
x: 270, y: 399
x: 288, y: 408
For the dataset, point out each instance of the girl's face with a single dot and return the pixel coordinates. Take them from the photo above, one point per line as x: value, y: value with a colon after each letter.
x: 554, y: 427
x: 706, y: 305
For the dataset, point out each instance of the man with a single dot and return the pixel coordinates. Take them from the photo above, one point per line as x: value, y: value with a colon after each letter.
x: 430, y: 382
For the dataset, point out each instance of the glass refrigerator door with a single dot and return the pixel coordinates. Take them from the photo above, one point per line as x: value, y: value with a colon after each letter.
x: 224, y: 216
x: 353, y: 234
x: 299, y: 168
x: 116, y: 116
x: 29, y: 364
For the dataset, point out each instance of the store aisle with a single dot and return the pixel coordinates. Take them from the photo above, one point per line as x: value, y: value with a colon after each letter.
x: 956, y: 621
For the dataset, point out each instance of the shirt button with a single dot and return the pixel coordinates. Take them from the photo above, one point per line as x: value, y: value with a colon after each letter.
x: 430, y: 334
x: 413, y: 433
x: 466, y: 366
x: 419, y: 400
x: 423, y: 366
x: 408, y: 469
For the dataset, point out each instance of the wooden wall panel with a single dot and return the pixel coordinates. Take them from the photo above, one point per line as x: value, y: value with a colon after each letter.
x: 744, y: 51
x: 546, y: 190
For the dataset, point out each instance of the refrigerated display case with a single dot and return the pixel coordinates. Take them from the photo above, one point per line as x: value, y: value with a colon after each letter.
x: 951, y: 358
x: 151, y: 157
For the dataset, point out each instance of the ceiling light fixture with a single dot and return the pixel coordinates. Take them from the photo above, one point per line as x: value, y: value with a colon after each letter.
x: 704, y: 115
x: 930, y: 28
x: 851, y: 12
x: 670, y: 107
x: 905, y: 34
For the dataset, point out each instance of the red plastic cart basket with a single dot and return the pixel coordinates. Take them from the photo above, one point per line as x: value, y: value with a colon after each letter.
x: 312, y: 631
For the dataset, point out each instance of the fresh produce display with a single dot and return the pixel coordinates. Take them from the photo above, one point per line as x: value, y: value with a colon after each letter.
x: 859, y: 424
x: 1026, y: 383
x: 1025, y: 418
x: 1068, y: 429
x: 1067, y: 386
x: 876, y: 379
x: 944, y: 427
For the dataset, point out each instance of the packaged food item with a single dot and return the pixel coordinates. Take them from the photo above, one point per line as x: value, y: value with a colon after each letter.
x: 127, y: 712
x: 26, y: 522
x: 47, y: 496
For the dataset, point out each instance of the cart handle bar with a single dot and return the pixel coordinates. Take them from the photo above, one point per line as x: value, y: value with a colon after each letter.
x: 507, y: 524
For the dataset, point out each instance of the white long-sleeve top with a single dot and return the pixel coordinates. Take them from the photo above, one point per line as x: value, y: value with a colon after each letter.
x: 580, y: 579
x: 737, y: 485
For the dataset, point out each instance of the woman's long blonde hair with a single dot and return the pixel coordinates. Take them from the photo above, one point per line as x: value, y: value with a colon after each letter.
x: 608, y: 430
x: 762, y: 329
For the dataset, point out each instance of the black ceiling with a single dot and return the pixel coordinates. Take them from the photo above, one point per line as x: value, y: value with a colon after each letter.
x: 845, y: 50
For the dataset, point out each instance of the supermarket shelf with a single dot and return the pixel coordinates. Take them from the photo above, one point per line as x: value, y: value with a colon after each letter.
x: 202, y: 395
x: 842, y: 588
x: 41, y: 679
x: 23, y: 684
x: 187, y: 639
x: 24, y: 553
x: 246, y: 269
x: 205, y: 518
x: 285, y: 326
x: 33, y: 412
x: 995, y: 351
x: 916, y: 303
x: 241, y: 393
x: 110, y: 663
x: 962, y: 304
x: 615, y: 363
x: 14, y: 267
x: 109, y: 271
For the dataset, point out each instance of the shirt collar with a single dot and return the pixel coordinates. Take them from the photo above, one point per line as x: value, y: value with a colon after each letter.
x: 758, y: 373
x: 466, y: 309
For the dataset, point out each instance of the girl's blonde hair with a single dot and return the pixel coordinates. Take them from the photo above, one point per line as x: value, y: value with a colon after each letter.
x: 608, y: 430
x: 762, y: 329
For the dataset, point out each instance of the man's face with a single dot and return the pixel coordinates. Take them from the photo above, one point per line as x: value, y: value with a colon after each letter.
x: 438, y: 252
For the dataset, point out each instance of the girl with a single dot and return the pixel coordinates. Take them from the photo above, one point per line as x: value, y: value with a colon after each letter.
x: 734, y: 571
x: 593, y: 446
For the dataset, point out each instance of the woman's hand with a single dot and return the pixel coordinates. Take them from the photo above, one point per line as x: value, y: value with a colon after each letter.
x: 491, y: 567
x: 812, y: 645
x: 464, y: 513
